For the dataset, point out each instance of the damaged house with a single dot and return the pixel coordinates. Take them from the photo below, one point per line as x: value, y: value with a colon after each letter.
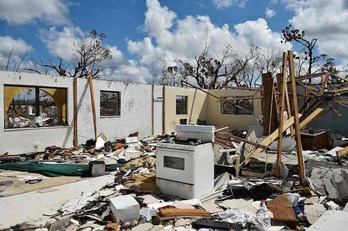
x: 83, y: 154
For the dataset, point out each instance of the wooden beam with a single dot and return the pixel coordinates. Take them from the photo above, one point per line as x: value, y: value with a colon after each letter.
x: 93, y: 107
x: 239, y: 98
x: 243, y: 88
x: 237, y: 138
x: 296, y: 118
x: 342, y: 152
x: 221, y: 129
x: 275, y: 112
x: 153, y: 107
x: 310, y: 89
x: 311, y: 76
x: 324, y: 84
x: 164, y: 109
x: 339, y: 90
x: 76, y: 142
x: 317, y: 113
x: 306, y: 95
x: 268, y: 90
x: 269, y: 139
x: 281, y: 115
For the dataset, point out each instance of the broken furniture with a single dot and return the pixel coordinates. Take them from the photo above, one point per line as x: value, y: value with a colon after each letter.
x: 316, y: 140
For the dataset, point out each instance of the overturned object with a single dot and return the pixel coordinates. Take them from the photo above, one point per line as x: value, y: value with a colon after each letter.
x: 125, y: 208
x: 97, y: 168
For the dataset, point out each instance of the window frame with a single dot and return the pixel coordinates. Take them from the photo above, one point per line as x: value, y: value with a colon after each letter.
x: 176, y: 104
x: 119, y: 104
x: 37, y: 104
x: 236, y: 108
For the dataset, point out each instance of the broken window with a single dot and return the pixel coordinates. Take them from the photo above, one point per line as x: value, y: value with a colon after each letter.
x: 110, y: 102
x: 236, y: 107
x: 27, y: 106
x: 181, y: 105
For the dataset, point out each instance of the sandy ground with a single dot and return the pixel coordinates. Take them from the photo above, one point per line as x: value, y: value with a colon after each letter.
x: 15, y: 182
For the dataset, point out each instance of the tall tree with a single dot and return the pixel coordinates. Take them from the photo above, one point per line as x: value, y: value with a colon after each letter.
x: 291, y: 34
x: 215, y: 72
x: 90, y: 53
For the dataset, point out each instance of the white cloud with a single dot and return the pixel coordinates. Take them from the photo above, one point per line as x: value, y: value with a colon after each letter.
x: 130, y: 72
x: 183, y: 39
x: 61, y: 43
x: 324, y: 19
x: 270, y: 13
x: 27, y: 11
x: 19, y: 46
x: 18, y: 59
x: 227, y: 3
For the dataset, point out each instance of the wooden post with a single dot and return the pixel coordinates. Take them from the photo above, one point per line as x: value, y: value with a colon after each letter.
x: 281, y: 115
x: 93, y: 107
x: 164, y: 110
x: 267, y: 84
x: 296, y: 119
x: 76, y: 142
x: 153, y: 107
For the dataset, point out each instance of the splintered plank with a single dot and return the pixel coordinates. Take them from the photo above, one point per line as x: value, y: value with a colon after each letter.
x: 269, y: 139
x: 281, y: 115
x: 296, y: 119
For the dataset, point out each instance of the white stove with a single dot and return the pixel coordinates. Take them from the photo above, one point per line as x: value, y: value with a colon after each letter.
x: 185, y: 170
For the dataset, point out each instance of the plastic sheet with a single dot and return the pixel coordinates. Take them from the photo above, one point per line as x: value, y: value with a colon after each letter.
x: 261, y: 220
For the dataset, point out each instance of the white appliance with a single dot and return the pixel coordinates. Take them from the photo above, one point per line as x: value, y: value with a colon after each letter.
x: 186, y: 171
x: 200, y: 132
x: 125, y: 208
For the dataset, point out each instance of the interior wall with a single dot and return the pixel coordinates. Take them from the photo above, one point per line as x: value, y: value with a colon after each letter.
x: 23, y: 140
x: 136, y: 110
x: 337, y: 124
x: 196, y: 106
x: 233, y: 121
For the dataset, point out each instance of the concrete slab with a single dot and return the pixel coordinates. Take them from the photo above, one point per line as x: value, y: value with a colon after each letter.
x: 30, y: 207
x: 331, y: 220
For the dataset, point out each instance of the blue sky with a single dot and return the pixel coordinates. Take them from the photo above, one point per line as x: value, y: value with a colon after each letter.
x: 139, y: 30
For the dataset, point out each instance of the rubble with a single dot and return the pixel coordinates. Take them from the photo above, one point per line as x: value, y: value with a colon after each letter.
x: 202, y: 177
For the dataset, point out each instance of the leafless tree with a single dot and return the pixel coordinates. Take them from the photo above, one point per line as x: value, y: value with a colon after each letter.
x: 10, y: 61
x: 212, y: 73
x: 308, y: 45
x: 89, y: 55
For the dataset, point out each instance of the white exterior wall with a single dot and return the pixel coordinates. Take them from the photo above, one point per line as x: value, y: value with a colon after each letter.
x: 22, y: 140
x: 158, y: 110
x: 136, y: 110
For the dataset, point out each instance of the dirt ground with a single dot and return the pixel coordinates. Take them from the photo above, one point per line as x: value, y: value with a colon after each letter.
x: 13, y: 182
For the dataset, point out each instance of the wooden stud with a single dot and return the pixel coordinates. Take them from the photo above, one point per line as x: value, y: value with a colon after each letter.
x: 164, y: 109
x: 93, y: 107
x: 317, y: 113
x: 237, y: 138
x: 324, y: 84
x: 243, y: 88
x: 281, y: 115
x: 267, y: 84
x: 342, y: 151
x: 310, y: 89
x: 275, y: 112
x: 269, y: 139
x: 76, y: 142
x: 296, y: 118
x: 239, y: 98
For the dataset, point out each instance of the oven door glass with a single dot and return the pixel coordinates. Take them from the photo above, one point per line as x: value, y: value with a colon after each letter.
x: 174, y: 162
